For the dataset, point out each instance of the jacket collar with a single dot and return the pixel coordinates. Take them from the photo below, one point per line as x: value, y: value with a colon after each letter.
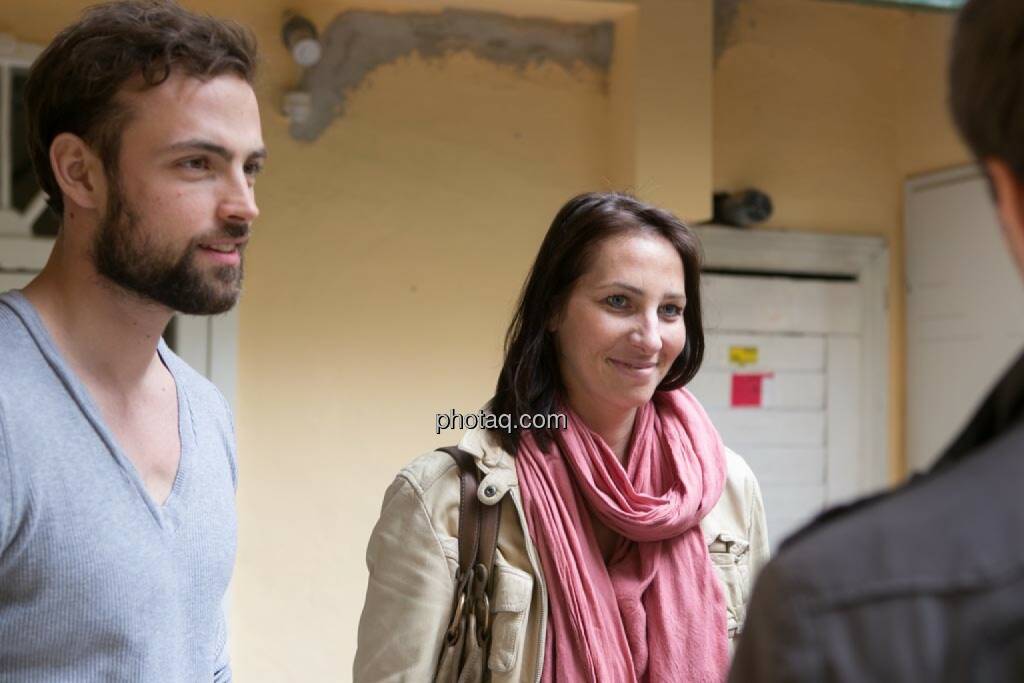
x: 1001, y: 409
x: 484, y: 447
x: 498, y: 467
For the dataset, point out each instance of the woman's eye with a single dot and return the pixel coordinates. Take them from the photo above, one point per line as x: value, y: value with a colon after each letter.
x: 671, y: 311
x: 616, y: 301
x: 253, y: 169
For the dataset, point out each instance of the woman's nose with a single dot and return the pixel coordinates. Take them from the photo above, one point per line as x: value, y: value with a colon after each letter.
x: 646, y: 336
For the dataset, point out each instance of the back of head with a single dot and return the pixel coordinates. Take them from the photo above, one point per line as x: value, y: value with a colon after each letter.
x: 987, y: 80
x: 73, y: 85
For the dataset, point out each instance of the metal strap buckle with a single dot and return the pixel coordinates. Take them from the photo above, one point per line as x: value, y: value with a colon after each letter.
x: 481, y: 604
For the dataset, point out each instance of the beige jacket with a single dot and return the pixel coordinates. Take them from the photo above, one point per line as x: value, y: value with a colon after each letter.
x: 413, y: 554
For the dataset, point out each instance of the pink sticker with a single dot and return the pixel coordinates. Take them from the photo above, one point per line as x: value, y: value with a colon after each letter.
x: 748, y: 390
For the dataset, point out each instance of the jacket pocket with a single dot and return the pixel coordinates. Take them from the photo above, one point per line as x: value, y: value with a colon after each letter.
x: 510, y: 606
x: 730, y: 557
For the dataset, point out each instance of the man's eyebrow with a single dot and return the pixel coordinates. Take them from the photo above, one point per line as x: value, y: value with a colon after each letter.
x: 213, y: 148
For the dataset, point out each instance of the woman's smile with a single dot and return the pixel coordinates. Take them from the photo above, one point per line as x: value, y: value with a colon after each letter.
x: 641, y: 370
x: 622, y: 327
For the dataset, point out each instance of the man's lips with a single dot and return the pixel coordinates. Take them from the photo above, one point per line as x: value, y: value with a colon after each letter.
x: 224, y: 246
x: 225, y: 253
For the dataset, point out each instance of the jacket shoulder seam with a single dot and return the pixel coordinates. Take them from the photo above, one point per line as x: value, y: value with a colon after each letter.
x: 422, y: 487
x: 418, y: 494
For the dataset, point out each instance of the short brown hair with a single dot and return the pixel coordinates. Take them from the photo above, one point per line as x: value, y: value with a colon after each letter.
x: 72, y: 86
x: 986, y: 77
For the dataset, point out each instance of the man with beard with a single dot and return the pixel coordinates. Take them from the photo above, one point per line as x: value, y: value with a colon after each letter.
x: 925, y: 583
x: 117, y: 463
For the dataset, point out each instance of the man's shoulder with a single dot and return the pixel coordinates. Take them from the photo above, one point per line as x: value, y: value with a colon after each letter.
x: 21, y: 360
x: 15, y: 339
x: 953, y: 529
x: 196, y: 385
x: 212, y: 421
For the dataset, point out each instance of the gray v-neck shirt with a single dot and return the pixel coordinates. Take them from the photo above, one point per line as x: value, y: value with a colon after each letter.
x: 98, y: 582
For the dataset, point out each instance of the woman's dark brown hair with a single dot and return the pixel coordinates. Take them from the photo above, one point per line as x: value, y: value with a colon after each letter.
x: 530, y: 382
x: 72, y: 86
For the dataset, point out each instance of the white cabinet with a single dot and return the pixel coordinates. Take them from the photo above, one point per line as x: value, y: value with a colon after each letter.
x: 795, y: 373
x: 965, y: 306
x: 800, y: 340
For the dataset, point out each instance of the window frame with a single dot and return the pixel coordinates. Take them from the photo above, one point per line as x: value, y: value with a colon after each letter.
x: 14, y: 55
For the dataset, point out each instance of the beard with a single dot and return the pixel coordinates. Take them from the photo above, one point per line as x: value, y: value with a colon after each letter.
x: 126, y: 255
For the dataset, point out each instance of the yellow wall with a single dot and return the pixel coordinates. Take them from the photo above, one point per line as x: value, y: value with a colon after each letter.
x: 384, y: 271
x: 387, y: 261
x: 829, y: 107
x: 390, y: 252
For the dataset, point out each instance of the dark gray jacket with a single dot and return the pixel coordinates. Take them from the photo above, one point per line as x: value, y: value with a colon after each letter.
x: 925, y: 583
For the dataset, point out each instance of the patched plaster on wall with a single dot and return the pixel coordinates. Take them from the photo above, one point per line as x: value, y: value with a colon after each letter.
x: 358, y: 42
x: 726, y: 12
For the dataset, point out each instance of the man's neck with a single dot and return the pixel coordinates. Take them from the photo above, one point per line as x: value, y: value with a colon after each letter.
x: 107, y: 333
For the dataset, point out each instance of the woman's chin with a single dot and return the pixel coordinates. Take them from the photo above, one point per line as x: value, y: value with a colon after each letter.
x: 635, y: 396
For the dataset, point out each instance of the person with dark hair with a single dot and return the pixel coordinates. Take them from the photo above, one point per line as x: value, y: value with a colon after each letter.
x: 117, y: 460
x: 628, y: 533
x: 925, y: 583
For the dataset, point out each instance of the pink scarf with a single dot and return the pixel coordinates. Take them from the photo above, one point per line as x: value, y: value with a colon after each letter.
x: 656, y: 611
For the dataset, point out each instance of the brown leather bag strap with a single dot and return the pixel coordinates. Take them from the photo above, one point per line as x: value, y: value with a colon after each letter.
x: 489, y: 523
x: 469, y: 508
x: 470, y: 622
x: 478, y: 523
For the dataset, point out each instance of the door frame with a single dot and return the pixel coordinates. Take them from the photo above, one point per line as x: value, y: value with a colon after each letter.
x: 207, y: 343
x: 14, y: 54
x: 863, y: 257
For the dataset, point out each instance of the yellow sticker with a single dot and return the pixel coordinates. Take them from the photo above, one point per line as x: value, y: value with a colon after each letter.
x: 742, y: 355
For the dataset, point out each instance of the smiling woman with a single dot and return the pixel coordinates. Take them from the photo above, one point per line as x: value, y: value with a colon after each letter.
x: 629, y: 533
x: 611, y: 272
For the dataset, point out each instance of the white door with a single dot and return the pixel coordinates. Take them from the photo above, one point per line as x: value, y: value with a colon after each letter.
x: 781, y: 381
x: 965, y: 306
